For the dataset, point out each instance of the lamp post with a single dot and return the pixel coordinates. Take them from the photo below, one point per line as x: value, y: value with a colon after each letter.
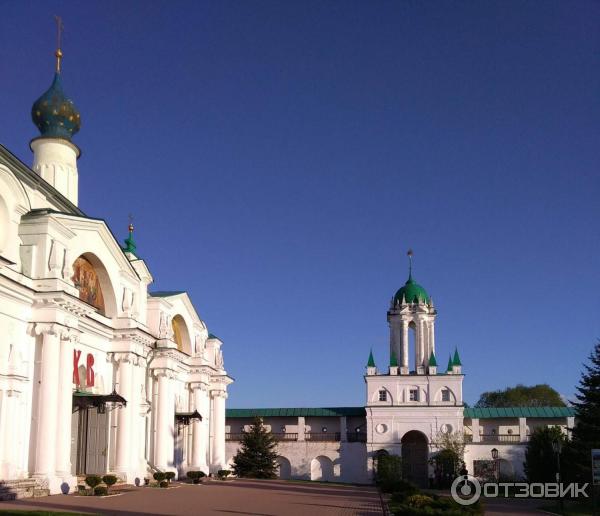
x: 495, y: 457
x: 557, y: 448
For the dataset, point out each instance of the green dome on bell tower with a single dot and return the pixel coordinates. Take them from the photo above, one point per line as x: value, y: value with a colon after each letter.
x: 411, y: 292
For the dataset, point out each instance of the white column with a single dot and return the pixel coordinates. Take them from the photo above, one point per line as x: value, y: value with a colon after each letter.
x: 522, y: 429
x: 65, y: 406
x: 199, y: 433
x: 404, y: 362
x: 124, y: 421
x: 9, y: 405
x: 432, y: 336
x: 301, y: 428
x: 47, y: 406
x: 475, y: 430
x: 165, y: 423
x: 218, y: 455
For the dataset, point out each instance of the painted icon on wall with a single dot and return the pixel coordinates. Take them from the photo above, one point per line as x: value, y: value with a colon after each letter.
x: 87, y: 283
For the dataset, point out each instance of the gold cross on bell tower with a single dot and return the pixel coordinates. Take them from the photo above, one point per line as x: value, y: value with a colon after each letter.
x: 58, y: 53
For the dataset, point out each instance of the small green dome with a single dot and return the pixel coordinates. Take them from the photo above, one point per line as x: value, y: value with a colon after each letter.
x: 54, y: 114
x: 412, y: 293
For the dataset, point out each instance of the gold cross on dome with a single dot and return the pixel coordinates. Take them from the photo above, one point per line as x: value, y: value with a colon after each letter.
x: 59, y: 29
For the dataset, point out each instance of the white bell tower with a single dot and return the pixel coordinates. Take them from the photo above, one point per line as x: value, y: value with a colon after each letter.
x: 412, y: 314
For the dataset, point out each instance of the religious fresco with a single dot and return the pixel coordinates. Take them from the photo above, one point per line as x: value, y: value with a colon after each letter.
x: 87, y: 283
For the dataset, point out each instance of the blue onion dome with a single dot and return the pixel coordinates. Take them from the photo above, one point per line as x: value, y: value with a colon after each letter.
x: 54, y: 114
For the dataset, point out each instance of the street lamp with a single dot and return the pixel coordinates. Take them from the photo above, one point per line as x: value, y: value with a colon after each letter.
x: 557, y: 448
x: 495, y: 457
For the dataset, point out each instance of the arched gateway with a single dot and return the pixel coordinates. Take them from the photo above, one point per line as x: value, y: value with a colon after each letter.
x: 414, y: 458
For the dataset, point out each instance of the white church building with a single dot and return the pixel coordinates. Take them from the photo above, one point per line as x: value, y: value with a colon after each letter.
x: 97, y: 373
x: 411, y: 407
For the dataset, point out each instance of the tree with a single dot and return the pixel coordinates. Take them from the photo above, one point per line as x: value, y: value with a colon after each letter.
x: 541, y: 395
x: 540, y: 457
x: 448, y: 461
x: 586, y: 434
x: 256, y: 457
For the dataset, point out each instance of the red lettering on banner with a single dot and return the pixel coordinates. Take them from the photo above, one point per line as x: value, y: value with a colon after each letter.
x: 76, y: 355
x: 90, y: 371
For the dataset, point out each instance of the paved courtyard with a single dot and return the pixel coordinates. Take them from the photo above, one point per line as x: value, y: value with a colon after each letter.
x: 252, y: 497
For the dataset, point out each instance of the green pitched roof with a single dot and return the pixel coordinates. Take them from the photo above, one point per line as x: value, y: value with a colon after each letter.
x: 213, y: 336
x: 456, y: 359
x: 295, y: 412
x: 507, y: 412
x: 449, y: 363
x: 166, y: 293
x: 393, y: 360
x: 371, y: 362
x: 432, y: 360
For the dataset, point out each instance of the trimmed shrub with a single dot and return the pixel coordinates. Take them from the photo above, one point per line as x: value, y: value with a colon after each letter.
x: 169, y: 475
x: 159, y: 476
x: 109, y: 480
x: 100, y: 491
x: 223, y: 473
x: 164, y: 483
x: 195, y: 476
x: 93, y: 480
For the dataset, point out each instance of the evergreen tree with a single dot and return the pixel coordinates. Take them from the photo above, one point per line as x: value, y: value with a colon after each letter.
x: 540, y: 457
x: 586, y: 434
x: 256, y: 456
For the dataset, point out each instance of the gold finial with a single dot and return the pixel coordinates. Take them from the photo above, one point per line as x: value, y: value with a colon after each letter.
x: 58, y: 53
x: 130, y: 223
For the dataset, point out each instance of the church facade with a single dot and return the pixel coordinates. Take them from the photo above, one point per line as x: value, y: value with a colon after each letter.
x: 413, y: 409
x: 97, y: 373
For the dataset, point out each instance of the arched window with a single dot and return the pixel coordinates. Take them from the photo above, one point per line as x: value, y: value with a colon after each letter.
x: 87, y: 283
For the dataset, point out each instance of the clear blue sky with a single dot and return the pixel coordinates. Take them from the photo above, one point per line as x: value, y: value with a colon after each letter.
x: 281, y: 157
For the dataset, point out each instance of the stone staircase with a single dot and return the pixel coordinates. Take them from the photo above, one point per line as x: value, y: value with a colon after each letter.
x: 17, y: 489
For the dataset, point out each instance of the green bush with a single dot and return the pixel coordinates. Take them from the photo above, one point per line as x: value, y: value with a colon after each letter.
x: 169, y: 475
x: 159, y: 476
x: 93, y: 480
x: 420, y: 505
x: 109, y: 480
x: 389, y: 472
x: 419, y: 500
x: 402, y: 490
x: 223, y: 473
x: 100, y: 491
x: 164, y: 483
x: 195, y: 476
